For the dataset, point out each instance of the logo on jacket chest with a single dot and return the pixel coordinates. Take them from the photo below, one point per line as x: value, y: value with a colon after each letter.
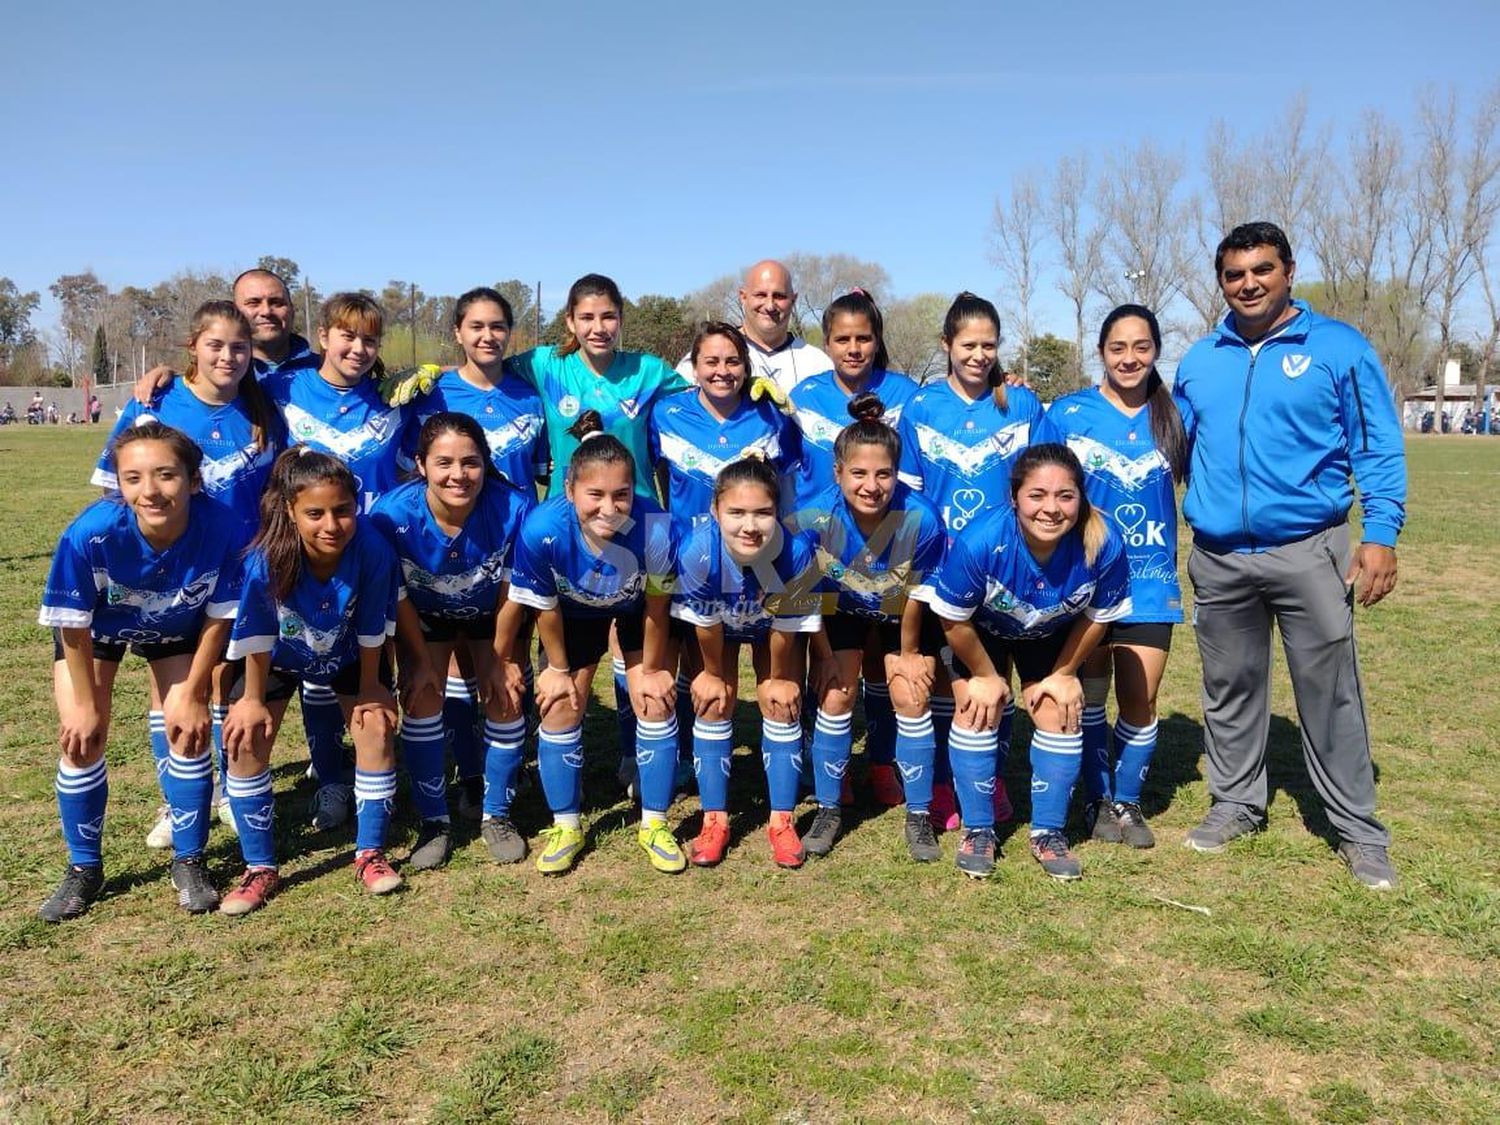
x: 1294, y: 366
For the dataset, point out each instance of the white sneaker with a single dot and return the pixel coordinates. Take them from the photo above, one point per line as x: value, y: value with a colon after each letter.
x: 160, y: 836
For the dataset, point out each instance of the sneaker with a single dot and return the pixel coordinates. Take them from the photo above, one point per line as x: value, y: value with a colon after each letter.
x: 884, y: 786
x: 375, y: 871
x: 662, y: 848
x: 786, y: 845
x: 1224, y: 821
x: 1005, y: 812
x: 1369, y: 864
x: 824, y: 831
x: 505, y: 843
x: 257, y: 884
x: 1133, y: 828
x: 470, y: 804
x: 560, y: 847
x: 195, y: 893
x: 920, y: 841
x: 708, y: 849
x: 976, y: 854
x: 1050, y: 849
x: 944, y: 808
x: 433, y: 847
x: 79, y: 887
x: 627, y: 774
x: 160, y: 836
x: 226, y: 816
x: 1102, y: 822
x: 332, y: 806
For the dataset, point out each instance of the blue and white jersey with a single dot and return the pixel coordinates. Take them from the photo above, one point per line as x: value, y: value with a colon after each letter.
x: 556, y: 568
x: 321, y: 626
x: 453, y: 577
x: 958, y: 454
x: 694, y: 445
x: 873, y: 576
x: 991, y: 576
x: 354, y: 425
x: 299, y: 354
x: 822, y: 413
x: 510, y: 414
x: 234, y: 471
x: 778, y: 591
x: 106, y: 578
x: 1127, y: 478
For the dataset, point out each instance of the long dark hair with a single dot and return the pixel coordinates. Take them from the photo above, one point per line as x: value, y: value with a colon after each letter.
x: 300, y: 467
x: 1090, y: 524
x: 970, y: 306
x: 452, y: 422
x: 1166, y: 422
x: 184, y: 448
x: 751, y: 468
x: 262, y: 416
x: 867, y: 429
x: 857, y: 302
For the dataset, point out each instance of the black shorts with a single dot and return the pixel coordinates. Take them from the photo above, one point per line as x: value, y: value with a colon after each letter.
x: 1144, y: 634
x: 481, y: 628
x: 1034, y: 658
x: 112, y: 652
x: 282, y: 684
x: 848, y: 631
x: 587, y: 638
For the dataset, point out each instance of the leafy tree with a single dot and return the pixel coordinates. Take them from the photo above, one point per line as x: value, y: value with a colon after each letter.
x: 912, y: 327
x: 15, y: 320
x: 1053, y: 365
x: 99, y: 358
x: 523, y: 308
x: 661, y: 326
x: 284, y: 268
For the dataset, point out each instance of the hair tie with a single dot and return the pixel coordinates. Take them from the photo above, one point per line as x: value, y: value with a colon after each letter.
x: 591, y: 434
x: 859, y: 291
x: 304, y: 450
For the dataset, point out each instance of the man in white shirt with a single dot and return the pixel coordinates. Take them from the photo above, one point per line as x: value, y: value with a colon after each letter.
x: 766, y: 302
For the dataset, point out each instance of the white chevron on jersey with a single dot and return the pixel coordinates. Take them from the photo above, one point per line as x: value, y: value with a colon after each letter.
x: 818, y: 429
x: 999, y: 600
x: 217, y: 473
x: 151, y: 605
x: 632, y: 587
x: 346, y: 446
x: 1130, y: 473
x: 680, y: 451
x: 970, y: 460
x: 319, y: 642
x: 488, y: 573
x: 518, y: 431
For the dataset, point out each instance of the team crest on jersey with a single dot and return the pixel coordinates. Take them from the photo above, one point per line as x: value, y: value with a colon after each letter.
x: 291, y: 625
x: 1294, y: 366
x: 629, y: 407
x: 568, y: 406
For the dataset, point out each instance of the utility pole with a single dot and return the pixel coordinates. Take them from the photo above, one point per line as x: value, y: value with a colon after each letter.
x: 536, y: 316
x: 413, y: 323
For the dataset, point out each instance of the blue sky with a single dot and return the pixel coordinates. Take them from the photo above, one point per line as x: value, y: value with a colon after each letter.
x: 665, y: 145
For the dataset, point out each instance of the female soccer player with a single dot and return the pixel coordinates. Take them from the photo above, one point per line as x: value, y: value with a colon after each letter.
x: 1041, y: 581
x: 453, y: 530
x: 743, y: 579
x: 597, y: 555
x: 318, y: 602
x: 877, y: 541
x: 155, y: 569
x: 1130, y: 439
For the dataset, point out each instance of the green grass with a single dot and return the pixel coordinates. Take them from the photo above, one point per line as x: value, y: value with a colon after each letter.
x: 862, y: 988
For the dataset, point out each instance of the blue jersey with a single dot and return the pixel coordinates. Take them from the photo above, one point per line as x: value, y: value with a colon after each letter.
x: 106, y: 578
x: 991, y: 576
x: 872, y: 577
x: 777, y: 592
x: 822, y: 413
x: 510, y: 414
x: 354, y: 425
x: 1127, y: 479
x: 299, y: 353
x: 556, y: 568
x: 321, y: 626
x: 958, y: 454
x: 234, y: 470
x: 694, y: 445
x: 457, y: 576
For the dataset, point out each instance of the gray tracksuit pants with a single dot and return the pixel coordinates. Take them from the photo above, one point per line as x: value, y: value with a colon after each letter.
x: 1299, y: 586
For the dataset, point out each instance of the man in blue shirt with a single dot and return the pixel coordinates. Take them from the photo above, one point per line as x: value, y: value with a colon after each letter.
x: 1282, y: 406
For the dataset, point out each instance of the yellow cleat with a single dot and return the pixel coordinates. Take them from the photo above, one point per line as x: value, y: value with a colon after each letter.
x: 662, y: 848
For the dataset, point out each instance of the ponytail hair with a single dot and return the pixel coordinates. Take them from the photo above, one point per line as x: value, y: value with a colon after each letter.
x: 184, y: 448
x: 589, y: 285
x: 970, y: 306
x: 751, y: 468
x: 1167, y: 431
x: 857, y: 302
x: 867, y: 429
x: 300, y: 467
x: 595, y: 446
x: 1091, y: 526
x: 257, y: 406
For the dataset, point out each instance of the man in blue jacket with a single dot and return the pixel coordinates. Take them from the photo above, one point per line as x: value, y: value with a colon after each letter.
x: 1282, y: 406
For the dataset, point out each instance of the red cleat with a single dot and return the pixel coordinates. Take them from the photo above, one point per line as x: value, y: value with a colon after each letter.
x: 886, y: 789
x: 786, y: 845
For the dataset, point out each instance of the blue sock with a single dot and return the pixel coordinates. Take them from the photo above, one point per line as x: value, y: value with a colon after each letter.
x: 832, y: 735
x: 217, y: 713
x: 460, y: 721
x: 81, y: 797
x: 624, y: 710
x: 686, y: 718
x: 973, y: 753
x: 156, y: 726
x: 374, y: 801
x: 1055, y: 760
x: 255, y: 816
x: 1136, y: 747
x: 1095, y: 765
x: 559, y: 755
x: 880, y: 725
x: 189, y: 786
x: 713, y: 745
x: 656, y: 757
x: 323, y: 722
x: 914, y: 749
x: 942, y: 724
x: 503, y: 746
x: 422, y: 751
x: 781, y: 753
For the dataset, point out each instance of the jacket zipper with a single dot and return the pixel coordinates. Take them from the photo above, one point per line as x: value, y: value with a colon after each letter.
x: 1244, y: 472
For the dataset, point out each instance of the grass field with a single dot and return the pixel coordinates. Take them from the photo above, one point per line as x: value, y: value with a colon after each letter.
x: 861, y: 988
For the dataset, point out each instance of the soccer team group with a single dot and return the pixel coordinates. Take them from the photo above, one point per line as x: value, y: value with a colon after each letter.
x: 280, y: 520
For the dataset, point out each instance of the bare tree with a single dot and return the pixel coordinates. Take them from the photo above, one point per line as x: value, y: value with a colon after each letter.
x: 1017, y: 231
x: 912, y: 328
x: 1291, y: 164
x: 1491, y: 347
x: 718, y: 300
x: 820, y: 278
x: 1200, y: 285
x: 1080, y: 241
x: 1145, y: 253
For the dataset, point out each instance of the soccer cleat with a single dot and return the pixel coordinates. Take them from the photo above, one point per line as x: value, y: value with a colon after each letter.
x: 824, y: 831
x: 1133, y: 828
x: 195, y: 893
x: 1102, y: 822
x: 373, y: 870
x: 257, y: 885
x: 1050, y: 849
x: 560, y: 847
x: 471, y: 799
x: 80, y: 886
x: 505, y: 843
x: 226, y: 816
x: 707, y: 850
x: 1005, y: 812
x: 1225, y: 821
x: 944, y: 808
x: 1369, y: 864
x: 976, y: 853
x: 786, y: 845
x: 433, y: 847
x: 332, y: 806
x: 160, y: 836
x: 920, y: 841
x: 661, y: 848
x: 884, y: 786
